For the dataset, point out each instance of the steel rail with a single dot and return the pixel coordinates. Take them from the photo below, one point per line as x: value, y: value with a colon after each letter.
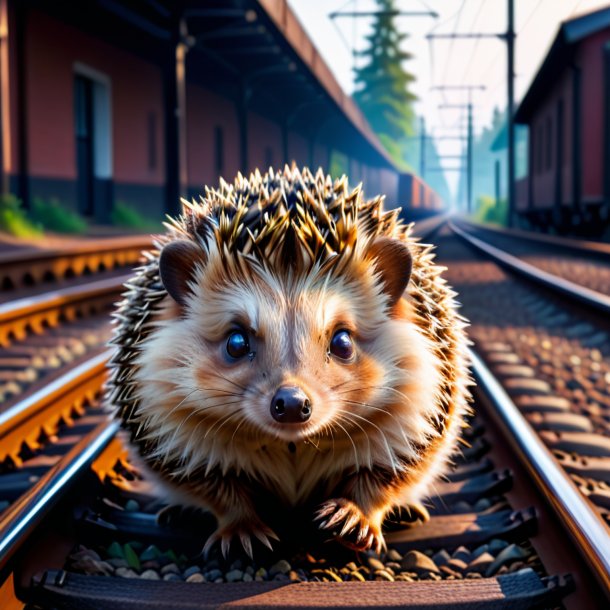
x: 581, y: 294
x: 576, y: 246
x: 24, y: 420
x: 19, y: 315
x: 21, y: 518
x: 23, y: 268
x: 573, y: 509
x: 98, y: 247
x: 424, y: 228
x: 54, y: 299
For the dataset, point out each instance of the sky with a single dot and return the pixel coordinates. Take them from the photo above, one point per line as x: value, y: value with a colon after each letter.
x: 446, y: 62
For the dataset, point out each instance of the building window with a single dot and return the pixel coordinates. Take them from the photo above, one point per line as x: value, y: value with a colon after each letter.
x: 152, y: 140
x: 219, y: 150
x: 549, y: 142
x: 268, y: 157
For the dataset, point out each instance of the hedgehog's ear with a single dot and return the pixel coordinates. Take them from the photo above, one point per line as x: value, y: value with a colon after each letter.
x: 393, y: 262
x: 177, y: 265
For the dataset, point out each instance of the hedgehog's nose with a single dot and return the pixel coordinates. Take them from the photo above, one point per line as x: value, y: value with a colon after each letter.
x: 290, y: 405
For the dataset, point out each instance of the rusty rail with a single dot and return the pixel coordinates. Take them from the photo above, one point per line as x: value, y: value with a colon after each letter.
x: 26, y: 268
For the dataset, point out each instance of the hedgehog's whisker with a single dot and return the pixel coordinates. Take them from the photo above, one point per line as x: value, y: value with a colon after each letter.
x: 237, y: 385
x: 347, y: 416
x: 379, y: 387
x: 383, y: 436
x: 197, y: 412
x: 222, y: 419
x: 367, y: 406
x: 351, y: 441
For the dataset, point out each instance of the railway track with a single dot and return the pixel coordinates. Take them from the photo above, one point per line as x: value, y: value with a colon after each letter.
x: 508, y: 529
x: 582, y: 263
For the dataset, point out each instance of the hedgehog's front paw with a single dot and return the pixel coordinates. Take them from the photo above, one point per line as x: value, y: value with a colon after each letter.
x: 349, y: 525
x: 242, y: 531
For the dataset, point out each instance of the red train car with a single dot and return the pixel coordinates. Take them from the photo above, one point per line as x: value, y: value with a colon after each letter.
x: 567, y: 110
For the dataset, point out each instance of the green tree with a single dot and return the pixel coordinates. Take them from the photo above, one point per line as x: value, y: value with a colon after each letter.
x: 382, y: 83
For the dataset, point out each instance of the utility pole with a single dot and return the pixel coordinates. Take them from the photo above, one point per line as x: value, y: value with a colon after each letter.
x: 469, y: 143
x: 510, y: 46
x: 509, y: 38
x: 422, y: 148
x: 469, y: 147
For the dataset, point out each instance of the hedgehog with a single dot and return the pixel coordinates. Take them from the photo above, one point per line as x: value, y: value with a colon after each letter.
x: 289, y: 346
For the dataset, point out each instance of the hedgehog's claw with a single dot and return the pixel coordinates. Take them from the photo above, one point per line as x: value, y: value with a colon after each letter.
x: 225, y: 535
x: 349, y: 526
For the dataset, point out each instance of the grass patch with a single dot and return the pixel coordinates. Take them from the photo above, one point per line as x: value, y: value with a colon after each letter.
x: 488, y: 211
x: 123, y: 215
x: 54, y: 217
x: 14, y: 220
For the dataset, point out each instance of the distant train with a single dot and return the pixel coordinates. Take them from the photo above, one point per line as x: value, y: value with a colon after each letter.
x: 417, y: 198
x: 567, y: 111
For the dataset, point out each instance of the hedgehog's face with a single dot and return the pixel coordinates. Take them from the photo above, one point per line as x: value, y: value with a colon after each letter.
x: 248, y: 354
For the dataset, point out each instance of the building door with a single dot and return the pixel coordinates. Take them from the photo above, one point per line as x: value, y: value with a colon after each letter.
x: 83, y: 112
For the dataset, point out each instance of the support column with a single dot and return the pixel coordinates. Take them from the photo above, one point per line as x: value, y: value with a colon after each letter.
x: 510, y: 110
x: 606, y: 178
x: 176, y: 178
x: 23, y: 184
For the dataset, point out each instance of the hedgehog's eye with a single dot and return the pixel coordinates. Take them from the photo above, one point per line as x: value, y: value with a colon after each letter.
x: 237, y: 344
x: 341, y: 345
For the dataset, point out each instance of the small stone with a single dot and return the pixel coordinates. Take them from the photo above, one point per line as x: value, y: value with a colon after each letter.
x: 497, y: 545
x: 417, y: 562
x: 281, y: 577
x: 212, y: 575
x: 280, y: 567
x: 118, y: 563
x: 150, y: 575
x: 196, y: 577
x: 441, y: 558
x: 171, y: 577
x: 126, y: 573
x: 249, y: 570
x: 383, y: 575
x: 509, y: 554
x: 292, y: 575
x: 447, y: 571
x: 375, y: 564
x: 355, y: 575
x: 234, y: 575
x: 481, y: 563
x: 149, y: 553
x: 484, y: 548
x: 115, y: 550
x: 237, y: 565
x: 190, y: 571
x: 394, y: 555
x: 482, y: 504
x: 261, y: 573
x: 458, y: 565
x: 170, y: 567
x: 131, y: 506
x: 462, y: 553
x: 247, y: 577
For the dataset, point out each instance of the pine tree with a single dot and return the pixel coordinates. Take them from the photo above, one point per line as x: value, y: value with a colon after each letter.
x: 382, y: 84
